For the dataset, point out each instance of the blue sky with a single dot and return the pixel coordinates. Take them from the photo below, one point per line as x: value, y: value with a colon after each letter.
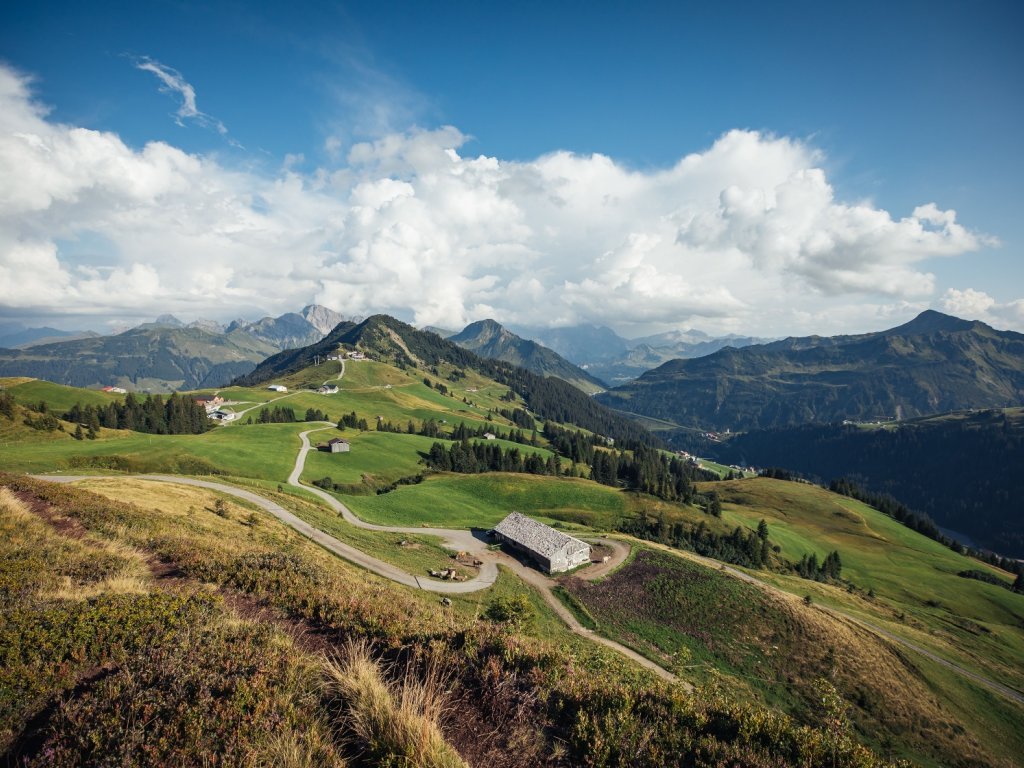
x: 898, y: 105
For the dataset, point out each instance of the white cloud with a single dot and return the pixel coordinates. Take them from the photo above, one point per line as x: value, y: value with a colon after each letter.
x: 745, y: 236
x: 173, y: 82
x: 978, y: 305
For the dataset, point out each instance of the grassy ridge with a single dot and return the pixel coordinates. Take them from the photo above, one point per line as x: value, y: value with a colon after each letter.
x: 58, y: 397
x: 194, y: 670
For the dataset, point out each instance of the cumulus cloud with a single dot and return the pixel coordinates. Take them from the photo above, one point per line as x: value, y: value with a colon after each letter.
x: 744, y: 236
x: 173, y: 83
x: 978, y: 305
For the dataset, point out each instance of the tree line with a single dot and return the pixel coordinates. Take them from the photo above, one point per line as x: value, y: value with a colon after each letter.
x: 472, y: 458
x: 747, y: 548
x: 177, y: 415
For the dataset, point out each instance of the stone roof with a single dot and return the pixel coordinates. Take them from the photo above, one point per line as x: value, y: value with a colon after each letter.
x: 537, y: 537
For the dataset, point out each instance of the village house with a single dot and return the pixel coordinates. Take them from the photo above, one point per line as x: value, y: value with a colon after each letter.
x: 356, y: 355
x: 337, y: 445
x: 552, y: 550
x: 225, y: 416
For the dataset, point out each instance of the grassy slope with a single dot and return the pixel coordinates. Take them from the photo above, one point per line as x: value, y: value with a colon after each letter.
x: 972, y: 622
x: 481, y: 501
x: 59, y: 397
x: 771, y: 648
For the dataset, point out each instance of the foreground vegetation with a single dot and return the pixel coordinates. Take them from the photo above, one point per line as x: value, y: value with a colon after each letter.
x: 159, y: 669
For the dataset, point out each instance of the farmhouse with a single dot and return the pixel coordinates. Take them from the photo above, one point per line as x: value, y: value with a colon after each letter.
x: 337, y: 445
x: 277, y: 388
x: 552, y: 550
x: 115, y: 390
x: 490, y: 436
x: 328, y: 389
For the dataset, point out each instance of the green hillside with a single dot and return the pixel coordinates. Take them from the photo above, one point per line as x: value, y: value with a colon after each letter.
x: 961, y: 469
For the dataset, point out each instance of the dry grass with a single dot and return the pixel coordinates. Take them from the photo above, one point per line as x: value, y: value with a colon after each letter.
x: 13, y: 507
x: 398, y: 724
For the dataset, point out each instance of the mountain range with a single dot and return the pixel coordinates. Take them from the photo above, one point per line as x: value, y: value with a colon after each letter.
x: 933, y: 363
x: 168, y: 354
x: 614, y: 360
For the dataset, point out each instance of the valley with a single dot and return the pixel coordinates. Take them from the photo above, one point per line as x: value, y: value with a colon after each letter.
x: 762, y: 636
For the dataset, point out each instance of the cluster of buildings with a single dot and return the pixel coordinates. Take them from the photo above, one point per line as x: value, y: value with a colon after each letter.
x: 212, y: 404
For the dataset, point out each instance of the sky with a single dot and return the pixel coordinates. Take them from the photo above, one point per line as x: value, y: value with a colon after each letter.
x: 766, y: 169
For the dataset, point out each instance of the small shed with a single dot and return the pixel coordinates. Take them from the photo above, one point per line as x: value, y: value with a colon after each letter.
x: 552, y: 550
x: 337, y: 445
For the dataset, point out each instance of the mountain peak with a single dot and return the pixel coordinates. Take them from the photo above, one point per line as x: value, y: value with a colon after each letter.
x: 931, y: 321
x: 324, y: 319
x: 169, y: 320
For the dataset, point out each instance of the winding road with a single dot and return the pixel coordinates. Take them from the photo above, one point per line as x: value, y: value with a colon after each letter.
x: 459, y: 540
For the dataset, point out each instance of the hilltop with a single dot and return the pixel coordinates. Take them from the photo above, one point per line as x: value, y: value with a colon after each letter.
x: 932, y: 364
x: 389, y: 340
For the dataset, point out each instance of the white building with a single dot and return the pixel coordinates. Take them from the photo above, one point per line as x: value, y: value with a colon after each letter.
x: 277, y: 388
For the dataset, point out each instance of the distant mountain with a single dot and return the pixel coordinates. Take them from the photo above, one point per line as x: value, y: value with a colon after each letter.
x: 292, y: 329
x: 489, y: 339
x: 614, y: 360
x: 444, y: 333
x: 168, y: 354
x: 16, y: 335
x: 583, y: 345
x: 652, y: 351
x: 153, y: 357
x: 932, y: 364
x: 385, y: 338
x: 320, y: 317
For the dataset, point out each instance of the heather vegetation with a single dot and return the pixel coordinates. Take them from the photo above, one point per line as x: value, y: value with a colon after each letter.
x: 172, y: 673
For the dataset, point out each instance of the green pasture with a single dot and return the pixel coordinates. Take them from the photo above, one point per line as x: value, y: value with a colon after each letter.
x: 383, y: 456
x: 481, y: 501
x: 264, y: 451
